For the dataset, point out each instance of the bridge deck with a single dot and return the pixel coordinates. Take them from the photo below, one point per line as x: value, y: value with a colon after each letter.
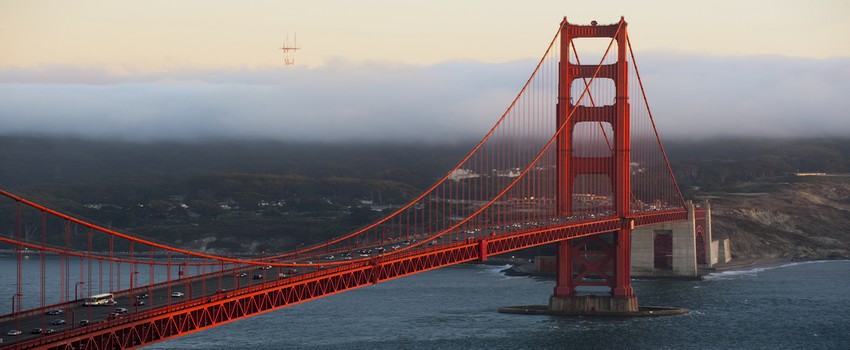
x: 205, y: 305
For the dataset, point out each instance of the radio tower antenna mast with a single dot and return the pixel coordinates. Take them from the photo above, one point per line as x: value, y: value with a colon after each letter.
x: 289, y: 51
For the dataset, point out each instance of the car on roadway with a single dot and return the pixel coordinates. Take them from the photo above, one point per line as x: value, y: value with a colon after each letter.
x: 14, y: 332
x: 177, y: 294
x: 142, y: 296
x: 54, y: 312
x: 36, y: 331
x: 139, y: 303
x: 329, y: 257
x: 242, y: 274
x: 113, y: 315
x: 84, y: 323
x: 58, y: 322
x: 258, y: 277
x: 48, y: 331
x: 267, y: 267
x: 121, y: 310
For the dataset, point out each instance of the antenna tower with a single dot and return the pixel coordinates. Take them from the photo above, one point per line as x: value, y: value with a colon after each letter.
x: 289, y: 51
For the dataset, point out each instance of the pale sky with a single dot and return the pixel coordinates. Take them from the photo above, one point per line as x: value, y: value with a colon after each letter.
x: 166, y: 34
x: 422, y: 70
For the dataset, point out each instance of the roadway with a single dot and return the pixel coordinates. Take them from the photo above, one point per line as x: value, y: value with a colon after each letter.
x: 161, y: 296
x: 226, y: 282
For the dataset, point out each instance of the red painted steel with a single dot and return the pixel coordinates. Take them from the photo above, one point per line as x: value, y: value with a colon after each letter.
x: 616, y: 166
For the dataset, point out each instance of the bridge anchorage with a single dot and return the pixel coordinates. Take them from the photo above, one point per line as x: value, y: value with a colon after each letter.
x: 573, y: 161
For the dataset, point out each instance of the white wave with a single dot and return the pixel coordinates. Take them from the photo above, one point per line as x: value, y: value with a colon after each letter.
x: 493, y: 268
x: 751, y: 272
x: 496, y: 270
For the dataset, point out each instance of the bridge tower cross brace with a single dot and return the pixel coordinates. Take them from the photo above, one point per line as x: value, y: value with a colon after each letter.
x: 616, y: 167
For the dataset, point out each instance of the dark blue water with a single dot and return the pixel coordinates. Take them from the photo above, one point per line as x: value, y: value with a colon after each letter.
x: 792, y: 306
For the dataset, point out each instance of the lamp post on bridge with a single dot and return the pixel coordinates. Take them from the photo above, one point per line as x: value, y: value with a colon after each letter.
x: 13, y: 301
x: 132, y: 292
x: 76, y: 296
x: 132, y: 273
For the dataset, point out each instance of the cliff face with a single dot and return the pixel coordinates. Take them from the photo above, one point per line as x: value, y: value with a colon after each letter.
x: 794, y: 218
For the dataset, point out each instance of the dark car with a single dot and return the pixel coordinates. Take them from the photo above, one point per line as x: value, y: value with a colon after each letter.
x: 58, y: 322
x: 48, y: 331
x: 258, y: 277
x: 142, y: 296
x: 139, y: 303
x: 36, y: 331
x: 84, y: 323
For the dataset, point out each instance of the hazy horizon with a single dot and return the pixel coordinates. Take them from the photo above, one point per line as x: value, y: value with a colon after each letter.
x: 690, y: 96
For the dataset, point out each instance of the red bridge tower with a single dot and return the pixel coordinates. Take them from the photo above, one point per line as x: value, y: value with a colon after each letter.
x: 601, y: 260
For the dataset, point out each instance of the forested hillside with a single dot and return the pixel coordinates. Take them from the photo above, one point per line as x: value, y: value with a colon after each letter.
x: 239, y: 196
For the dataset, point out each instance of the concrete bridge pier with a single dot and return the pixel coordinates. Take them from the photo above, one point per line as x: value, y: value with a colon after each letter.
x: 677, y: 249
x: 593, y: 305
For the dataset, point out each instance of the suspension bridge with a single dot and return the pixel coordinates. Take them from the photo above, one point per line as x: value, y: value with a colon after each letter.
x: 574, y: 161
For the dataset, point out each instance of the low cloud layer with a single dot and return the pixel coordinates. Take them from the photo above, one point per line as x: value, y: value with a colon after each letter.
x: 690, y: 96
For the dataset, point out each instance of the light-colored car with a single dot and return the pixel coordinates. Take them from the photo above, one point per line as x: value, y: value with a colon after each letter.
x: 177, y: 294
x: 58, y: 322
x: 14, y: 332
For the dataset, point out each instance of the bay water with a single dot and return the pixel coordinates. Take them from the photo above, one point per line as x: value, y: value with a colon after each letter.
x: 799, y: 305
